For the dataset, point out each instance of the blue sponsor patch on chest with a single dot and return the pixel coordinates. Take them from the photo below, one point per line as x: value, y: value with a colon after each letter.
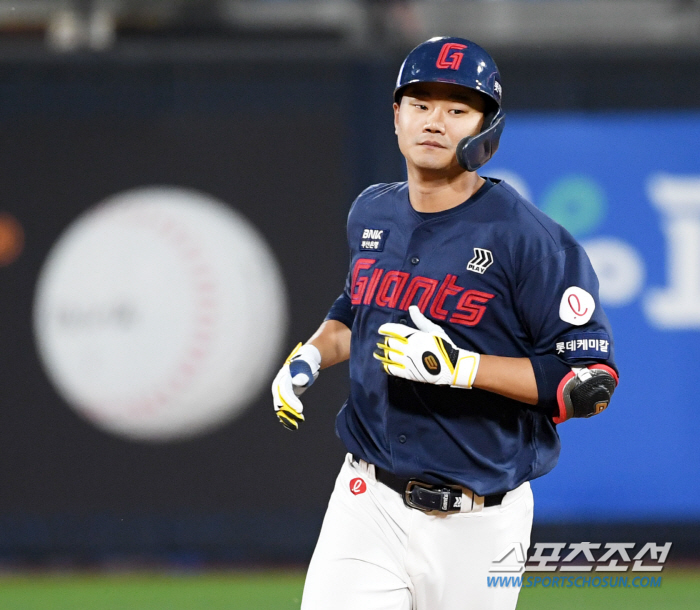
x: 373, y: 239
x: 577, y: 346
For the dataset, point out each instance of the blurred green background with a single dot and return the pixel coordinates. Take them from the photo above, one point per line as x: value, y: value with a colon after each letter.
x: 281, y: 590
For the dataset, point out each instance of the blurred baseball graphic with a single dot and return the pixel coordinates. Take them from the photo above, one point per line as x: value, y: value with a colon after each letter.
x: 151, y: 310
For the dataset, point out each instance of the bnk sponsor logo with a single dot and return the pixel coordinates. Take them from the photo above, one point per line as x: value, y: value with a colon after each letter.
x: 373, y: 239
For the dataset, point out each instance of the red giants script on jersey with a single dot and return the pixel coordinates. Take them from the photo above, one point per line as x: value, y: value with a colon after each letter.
x: 358, y: 486
x: 453, y: 60
x: 392, y: 289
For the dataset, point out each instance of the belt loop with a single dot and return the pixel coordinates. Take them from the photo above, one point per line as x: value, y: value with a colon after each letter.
x: 371, y: 474
x: 365, y: 467
x: 467, y: 500
x: 477, y: 503
x: 471, y: 502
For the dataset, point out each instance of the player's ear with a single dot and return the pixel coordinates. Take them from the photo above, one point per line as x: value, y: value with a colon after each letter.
x: 396, y: 118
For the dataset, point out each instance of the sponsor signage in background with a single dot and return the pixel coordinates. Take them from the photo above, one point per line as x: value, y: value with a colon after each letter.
x: 627, y: 186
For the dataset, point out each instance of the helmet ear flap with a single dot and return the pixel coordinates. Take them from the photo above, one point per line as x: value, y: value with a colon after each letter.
x: 474, y: 151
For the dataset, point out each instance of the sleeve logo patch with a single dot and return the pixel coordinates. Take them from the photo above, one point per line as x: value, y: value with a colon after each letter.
x: 577, y: 306
x: 576, y: 346
x: 374, y: 239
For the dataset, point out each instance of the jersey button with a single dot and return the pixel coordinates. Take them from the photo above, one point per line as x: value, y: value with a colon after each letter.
x: 415, y: 260
x: 403, y: 321
x: 402, y: 438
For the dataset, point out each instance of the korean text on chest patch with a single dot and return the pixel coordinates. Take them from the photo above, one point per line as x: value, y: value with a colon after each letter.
x: 373, y: 239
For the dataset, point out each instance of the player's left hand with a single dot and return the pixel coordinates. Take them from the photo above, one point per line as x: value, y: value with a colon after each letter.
x: 426, y: 355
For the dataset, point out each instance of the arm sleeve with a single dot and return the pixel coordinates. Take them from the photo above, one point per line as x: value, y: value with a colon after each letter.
x: 549, y: 371
x: 566, y: 331
x: 341, y: 310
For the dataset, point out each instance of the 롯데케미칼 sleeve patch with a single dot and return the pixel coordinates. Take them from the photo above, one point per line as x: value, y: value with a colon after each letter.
x: 585, y: 345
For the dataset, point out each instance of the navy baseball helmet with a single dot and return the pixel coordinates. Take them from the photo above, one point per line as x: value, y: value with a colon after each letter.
x: 461, y: 62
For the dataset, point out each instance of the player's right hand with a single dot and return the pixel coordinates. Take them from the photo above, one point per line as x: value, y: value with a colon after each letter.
x: 299, y: 371
x: 426, y: 355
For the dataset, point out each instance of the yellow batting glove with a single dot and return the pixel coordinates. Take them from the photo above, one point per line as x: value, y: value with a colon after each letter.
x: 426, y: 355
x: 299, y: 371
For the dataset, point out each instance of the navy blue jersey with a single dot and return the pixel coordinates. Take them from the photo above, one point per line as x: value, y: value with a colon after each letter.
x: 502, y: 279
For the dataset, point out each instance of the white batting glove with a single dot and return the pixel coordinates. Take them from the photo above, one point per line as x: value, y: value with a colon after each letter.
x: 427, y: 354
x: 299, y: 371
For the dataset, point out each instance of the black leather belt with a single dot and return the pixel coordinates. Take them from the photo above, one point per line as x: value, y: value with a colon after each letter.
x: 428, y: 497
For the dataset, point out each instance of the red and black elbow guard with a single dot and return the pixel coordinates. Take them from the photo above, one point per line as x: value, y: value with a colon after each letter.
x: 585, y: 391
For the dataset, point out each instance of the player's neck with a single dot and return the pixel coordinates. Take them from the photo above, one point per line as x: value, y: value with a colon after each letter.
x: 438, y: 192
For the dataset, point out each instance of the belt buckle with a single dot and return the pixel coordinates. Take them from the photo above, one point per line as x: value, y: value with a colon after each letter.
x: 407, y: 500
x: 445, y: 499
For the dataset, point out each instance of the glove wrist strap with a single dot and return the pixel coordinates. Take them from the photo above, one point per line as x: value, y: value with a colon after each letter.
x: 311, y: 354
x: 465, y: 369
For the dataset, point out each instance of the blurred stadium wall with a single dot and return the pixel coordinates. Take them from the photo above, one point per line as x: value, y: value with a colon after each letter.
x: 140, y: 141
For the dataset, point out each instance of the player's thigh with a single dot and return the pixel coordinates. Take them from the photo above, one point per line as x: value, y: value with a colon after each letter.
x: 450, y: 557
x: 352, y: 584
x: 358, y: 560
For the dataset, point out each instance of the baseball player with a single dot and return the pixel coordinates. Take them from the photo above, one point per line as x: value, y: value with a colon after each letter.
x: 473, y: 328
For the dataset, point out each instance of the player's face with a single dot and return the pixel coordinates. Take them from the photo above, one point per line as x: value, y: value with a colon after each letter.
x: 431, y: 120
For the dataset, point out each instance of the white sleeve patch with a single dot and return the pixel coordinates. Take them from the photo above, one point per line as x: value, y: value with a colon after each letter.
x: 577, y: 306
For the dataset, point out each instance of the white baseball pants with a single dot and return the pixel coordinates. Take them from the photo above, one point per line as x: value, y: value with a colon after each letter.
x: 375, y: 553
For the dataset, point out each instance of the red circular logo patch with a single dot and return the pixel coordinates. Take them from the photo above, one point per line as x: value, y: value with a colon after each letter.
x: 358, y: 486
x: 576, y: 307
